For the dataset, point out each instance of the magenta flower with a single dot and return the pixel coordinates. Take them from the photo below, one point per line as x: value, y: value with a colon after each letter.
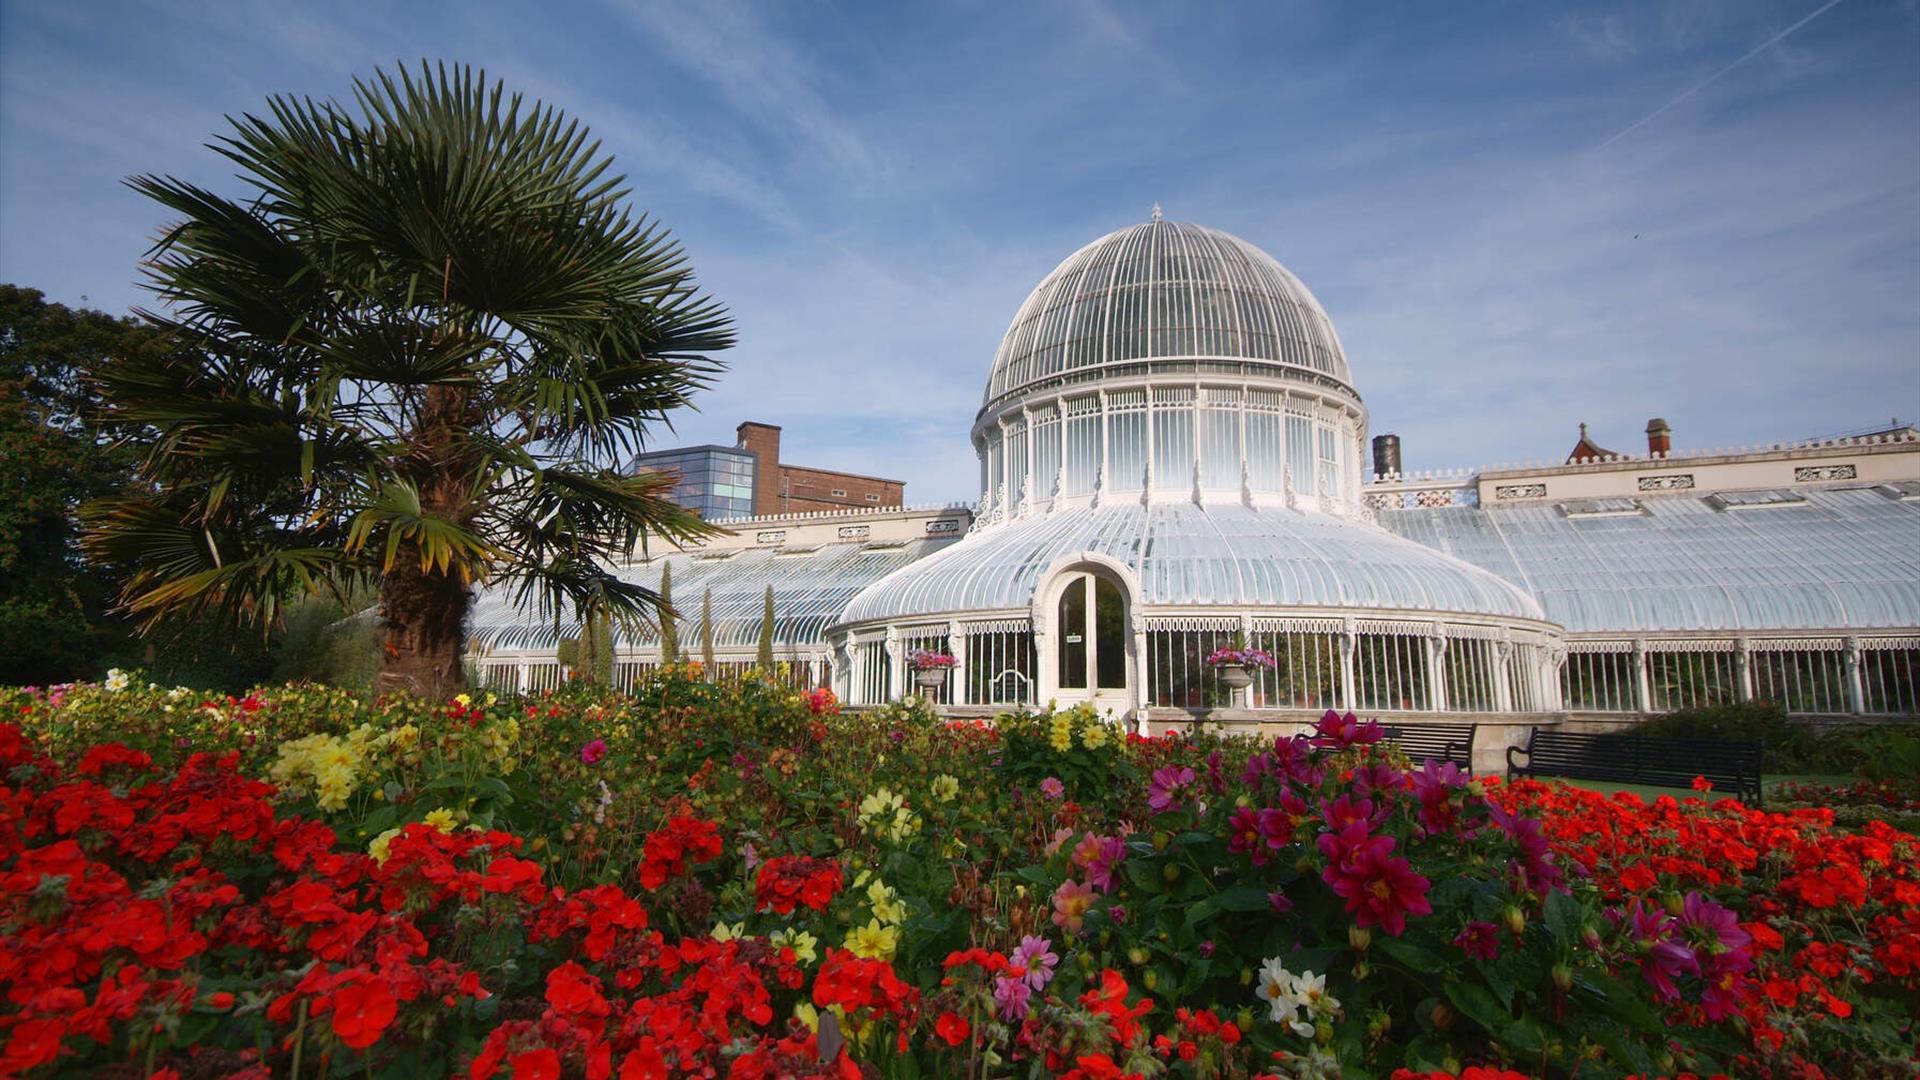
x: 1244, y: 836
x: 1378, y: 886
x: 1052, y: 788
x: 1378, y: 776
x: 1169, y: 787
x: 593, y: 751
x: 1346, y: 810
x: 1480, y: 940
x: 1337, y: 732
x: 1661, y: 956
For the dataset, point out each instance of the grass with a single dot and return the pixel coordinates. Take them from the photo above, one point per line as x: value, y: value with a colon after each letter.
x: 1649, y: 792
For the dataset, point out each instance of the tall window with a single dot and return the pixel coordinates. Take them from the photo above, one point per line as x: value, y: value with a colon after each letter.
x: 1016, y: 465
x: 1172, y: 438
x: 1046, y: 452
x: 1126, y: 438
x: 1266, y: 450
x: 1083, y: 445
x: 1300, y: 454
x: 1220, y: 444
x: 1329, y: 461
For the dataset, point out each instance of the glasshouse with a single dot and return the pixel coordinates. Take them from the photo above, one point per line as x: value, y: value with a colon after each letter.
x: 1174, y: 460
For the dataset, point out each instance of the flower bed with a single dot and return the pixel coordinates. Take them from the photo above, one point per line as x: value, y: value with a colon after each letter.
x: 741, y: 882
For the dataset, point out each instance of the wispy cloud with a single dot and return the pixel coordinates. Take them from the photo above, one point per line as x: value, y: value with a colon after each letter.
x: 767, y: 81
x: 1719, y: 74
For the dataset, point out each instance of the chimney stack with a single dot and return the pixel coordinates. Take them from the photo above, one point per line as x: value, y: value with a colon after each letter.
x: 1659, y: 437
x: 1386, y: 456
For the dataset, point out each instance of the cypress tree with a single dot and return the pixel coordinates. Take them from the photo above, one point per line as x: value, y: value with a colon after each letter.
x: 706, y: 629
x: 766, y: 633
x: 669, y: 630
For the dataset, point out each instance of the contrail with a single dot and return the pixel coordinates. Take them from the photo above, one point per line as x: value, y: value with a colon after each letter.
x: 1715, y: 77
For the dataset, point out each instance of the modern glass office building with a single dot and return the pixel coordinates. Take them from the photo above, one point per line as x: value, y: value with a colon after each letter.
x: 717, y: 481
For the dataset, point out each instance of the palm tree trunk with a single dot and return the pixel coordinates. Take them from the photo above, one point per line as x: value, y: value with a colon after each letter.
x: 425, y: 610
x: 425, y: 614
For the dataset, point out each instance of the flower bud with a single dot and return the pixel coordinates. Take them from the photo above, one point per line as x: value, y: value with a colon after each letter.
x: 1378, y: 1024
x: 1304, y: 864
x: 1590, y: 937
x: 1361, y: 970
x: 1245, y: 1020
x: 1137, y: 956
x: 1359, y: 937
x: 1562, y: 977
x: 1441, y: 1017
x: 1150, y: 979
x: 1161, y: 840
x: 1246, y: 979
x: 1171, y: 872
x: 1516, y: 919
x: 1673, y: 902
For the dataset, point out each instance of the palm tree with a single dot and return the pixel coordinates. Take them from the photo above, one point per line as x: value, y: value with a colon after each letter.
x: 413, y: 356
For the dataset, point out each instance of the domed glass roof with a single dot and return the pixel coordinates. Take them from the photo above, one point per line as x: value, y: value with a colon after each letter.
x: 1185, y: 555
x: 1165, y: 289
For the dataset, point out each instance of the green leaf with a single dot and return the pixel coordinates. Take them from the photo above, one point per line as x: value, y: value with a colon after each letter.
x: 1564, y: 916
x: 1422, y: 960
x: 1242, y: 898
x: 1478, y: 1004
x: 1202, y: 911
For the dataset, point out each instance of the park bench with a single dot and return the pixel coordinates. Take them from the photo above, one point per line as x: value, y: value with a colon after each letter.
x: 1440, y: 742
x: 1732, y: 766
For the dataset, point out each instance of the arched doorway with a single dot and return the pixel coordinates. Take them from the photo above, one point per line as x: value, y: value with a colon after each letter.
x: 1092, y: 643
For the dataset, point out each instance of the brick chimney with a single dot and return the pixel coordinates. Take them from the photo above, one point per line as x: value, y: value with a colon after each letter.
x: 764, y: 442
x: 1659, y: 437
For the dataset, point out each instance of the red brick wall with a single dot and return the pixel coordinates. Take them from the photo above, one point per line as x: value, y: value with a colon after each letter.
x: 804, y: 489
x: 764, y: 441
x: 794, y: 489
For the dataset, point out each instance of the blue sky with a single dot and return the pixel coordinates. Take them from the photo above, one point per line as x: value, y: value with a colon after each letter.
x: 1520, y: 216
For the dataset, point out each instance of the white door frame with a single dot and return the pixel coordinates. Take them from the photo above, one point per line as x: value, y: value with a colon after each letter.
x: 1122, y: 704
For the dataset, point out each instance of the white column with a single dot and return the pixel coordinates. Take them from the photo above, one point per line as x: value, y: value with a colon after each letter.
x: 1642, y: 679
x: 857, y: 674
x: 1349, y: 645
x: 1856, y: 683
x: 1142, y: 690
x: 957, y: 682
x: 897, y: 661
x: 1502, y: 676
x: 1743, y: 669
x: 1437, y: 669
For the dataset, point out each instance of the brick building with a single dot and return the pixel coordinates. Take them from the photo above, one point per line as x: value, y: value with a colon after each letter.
x: 779, y: 488
x: 749, y: 478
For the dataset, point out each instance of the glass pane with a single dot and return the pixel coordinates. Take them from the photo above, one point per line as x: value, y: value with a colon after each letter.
x: 1073, y: 636
x: 1110, y: 634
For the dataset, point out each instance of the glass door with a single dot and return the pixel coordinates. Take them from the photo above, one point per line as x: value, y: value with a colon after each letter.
x: 1091, y: 651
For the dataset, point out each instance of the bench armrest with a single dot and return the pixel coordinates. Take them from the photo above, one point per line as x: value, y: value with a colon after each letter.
x: 1512, y: 766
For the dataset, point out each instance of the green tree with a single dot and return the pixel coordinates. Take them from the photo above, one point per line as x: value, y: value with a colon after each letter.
x: 669, y: 622
x: 55, y: 619
x: 411, y: 355
x: 765, y: 656
x: 706, y: 631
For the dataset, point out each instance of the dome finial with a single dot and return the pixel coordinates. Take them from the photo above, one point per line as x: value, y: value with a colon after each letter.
x: 1156, y: 210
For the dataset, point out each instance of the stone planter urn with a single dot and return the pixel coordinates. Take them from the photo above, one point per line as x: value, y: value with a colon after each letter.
x: 1238, y: 676
x: 930, y: 678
